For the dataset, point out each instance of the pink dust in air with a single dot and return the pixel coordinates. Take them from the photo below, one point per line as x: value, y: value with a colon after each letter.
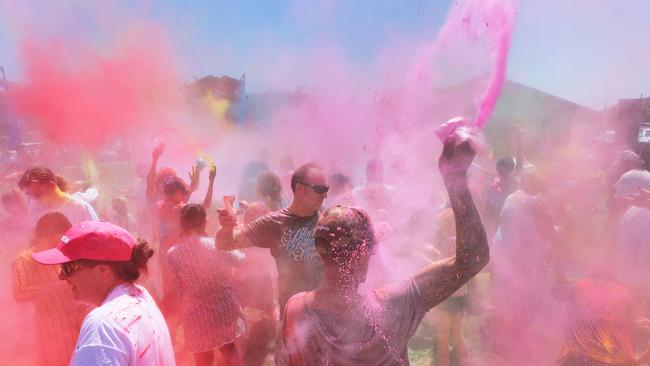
x: 473, y: 44
x: 79, y: 95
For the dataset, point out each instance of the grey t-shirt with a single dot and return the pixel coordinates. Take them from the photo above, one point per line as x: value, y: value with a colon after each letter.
x: 291, y: 241
x: 376, y: 334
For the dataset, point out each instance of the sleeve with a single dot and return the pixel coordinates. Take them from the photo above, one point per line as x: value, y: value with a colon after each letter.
x: 90, y: 213
x: 98, y: 355
x: 625, y: 187
x: 402, y: 308
x: 100, y: 344
x: 263, y: 232
x: 404, y: 295
x: 290, y: 337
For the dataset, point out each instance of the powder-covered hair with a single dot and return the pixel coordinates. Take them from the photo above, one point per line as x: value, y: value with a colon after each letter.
x: 345, y: 234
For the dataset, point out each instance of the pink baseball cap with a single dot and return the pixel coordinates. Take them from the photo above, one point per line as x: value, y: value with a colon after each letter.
x: 94, y: 240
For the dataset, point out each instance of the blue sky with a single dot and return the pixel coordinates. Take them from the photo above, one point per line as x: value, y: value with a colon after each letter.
x: 588, y: 51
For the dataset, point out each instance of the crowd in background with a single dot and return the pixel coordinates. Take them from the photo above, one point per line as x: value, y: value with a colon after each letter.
x: 277, y: 271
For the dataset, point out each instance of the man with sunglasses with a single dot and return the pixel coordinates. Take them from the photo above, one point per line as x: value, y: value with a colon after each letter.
x: 288, y: 233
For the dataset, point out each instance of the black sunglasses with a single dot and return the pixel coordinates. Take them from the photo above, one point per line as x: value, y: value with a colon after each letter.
x: 318, y: 188
x: 69, y: 268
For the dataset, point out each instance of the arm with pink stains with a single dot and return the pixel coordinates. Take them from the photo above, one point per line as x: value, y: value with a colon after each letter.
x: 441, y: 279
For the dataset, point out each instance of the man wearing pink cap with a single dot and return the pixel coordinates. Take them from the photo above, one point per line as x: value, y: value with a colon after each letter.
x: 102, y: 262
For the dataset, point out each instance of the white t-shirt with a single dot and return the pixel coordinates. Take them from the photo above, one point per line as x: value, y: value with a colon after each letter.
x: 629, y: 183
x: 75, y: 209
x: 634, y: 246
x: 127, y: 329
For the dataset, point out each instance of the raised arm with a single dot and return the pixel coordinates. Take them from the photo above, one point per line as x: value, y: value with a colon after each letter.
x: 207, y: 201
x: 194, y: 175
x: 440, y: 279
x: 519, y: 151
x: 151, y: 175
x: 230, y: 236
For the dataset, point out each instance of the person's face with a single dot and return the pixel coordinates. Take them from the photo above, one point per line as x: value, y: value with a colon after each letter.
x: 85, y: 280
x: 306, y: 191
x: 38, y: 190
x: 160, y: 182
x: 177, y: 197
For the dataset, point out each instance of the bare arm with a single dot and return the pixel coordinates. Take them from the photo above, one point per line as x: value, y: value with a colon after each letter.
x: 193, y: 175
x: 230, y: 236
x: 231, y: 239
x: 519, y: 151
x: 207, y: 201
x: 440, y: 279
x: 151, y: 175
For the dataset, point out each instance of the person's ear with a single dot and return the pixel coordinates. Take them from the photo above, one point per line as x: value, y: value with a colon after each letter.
x: 103, y: 270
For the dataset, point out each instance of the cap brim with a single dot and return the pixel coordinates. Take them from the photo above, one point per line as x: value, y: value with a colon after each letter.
x: 51, y: 256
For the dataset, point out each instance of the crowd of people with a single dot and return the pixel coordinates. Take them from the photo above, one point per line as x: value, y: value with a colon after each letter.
x: 291, y: 269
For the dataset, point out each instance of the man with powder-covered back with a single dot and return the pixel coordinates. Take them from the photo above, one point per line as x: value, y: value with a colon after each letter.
x: 288, y: 233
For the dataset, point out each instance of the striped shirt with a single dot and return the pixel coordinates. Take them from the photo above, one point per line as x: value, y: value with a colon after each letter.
x: 58, y: 316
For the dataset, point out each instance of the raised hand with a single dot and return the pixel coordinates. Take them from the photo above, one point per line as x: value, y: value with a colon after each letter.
x: 213, y: 172
x: 456, y: 157
x: 158, y: 150
x: 227, y: 214
x: 193, y: 175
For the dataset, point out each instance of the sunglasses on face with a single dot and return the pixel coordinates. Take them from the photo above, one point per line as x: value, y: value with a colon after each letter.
x: 69, y: 268
x: 318, y: 188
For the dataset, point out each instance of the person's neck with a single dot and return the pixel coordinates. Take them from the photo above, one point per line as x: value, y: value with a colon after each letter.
x: 297, y: 209
x: 189, y: 233
x: 171, y: 201
x: 55, y: 199
x: 103, y: 295
x: 332, y: 295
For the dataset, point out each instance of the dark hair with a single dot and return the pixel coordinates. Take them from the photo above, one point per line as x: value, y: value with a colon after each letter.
x: 300, y: 175
x: 339, y: 180
x: 505, y: 166
x: 163, y: 173
x: 52, y: 224
x: 130, y: 271
x: 193, y: 217
x: 175, y: 184
x: 344, y: 234
x: 269, y: 185
x: 38, y: 175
